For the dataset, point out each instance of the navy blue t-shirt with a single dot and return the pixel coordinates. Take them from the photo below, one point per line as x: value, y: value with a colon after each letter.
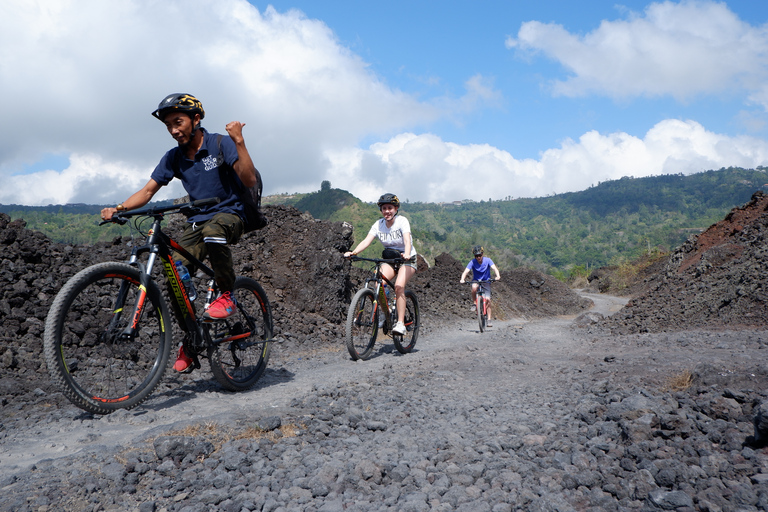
x: 206, y: 176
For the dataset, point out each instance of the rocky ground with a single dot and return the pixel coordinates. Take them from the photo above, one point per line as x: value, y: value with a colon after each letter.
x: 297, y: 259
x: 715, y: 280
x: 551, y: 409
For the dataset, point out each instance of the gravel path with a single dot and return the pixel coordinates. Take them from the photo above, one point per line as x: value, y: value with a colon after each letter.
x: 531, y: 415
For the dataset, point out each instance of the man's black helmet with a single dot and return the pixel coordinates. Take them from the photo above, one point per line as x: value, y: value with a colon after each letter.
x: 389, y: 199
x: 477, y: 250
x: 180, y: 101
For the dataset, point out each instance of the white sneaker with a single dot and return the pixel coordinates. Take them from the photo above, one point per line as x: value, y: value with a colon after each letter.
x: 399, y: 328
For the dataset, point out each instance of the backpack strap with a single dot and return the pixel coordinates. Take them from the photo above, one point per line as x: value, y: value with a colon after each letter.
x: 176, y: 163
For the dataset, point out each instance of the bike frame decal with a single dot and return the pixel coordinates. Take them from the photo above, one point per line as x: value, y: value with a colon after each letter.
x: 232, y: 338
x: 179, y: 292
x: 162, y: 320
x: 175, y: 245
x: 63, y: 359
x: 110, y: 400
x: 139, y: 306
x: 122, y: 276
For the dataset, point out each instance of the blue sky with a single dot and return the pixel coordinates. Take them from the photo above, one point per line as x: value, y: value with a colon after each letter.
x: 430, y: 49
x: 435, y: 101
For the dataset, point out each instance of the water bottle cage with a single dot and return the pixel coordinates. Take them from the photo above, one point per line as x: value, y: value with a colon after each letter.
x: 186, y: 280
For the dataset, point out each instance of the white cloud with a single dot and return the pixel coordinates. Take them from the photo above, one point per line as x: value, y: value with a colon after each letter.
x: 80, y: 78
x: 87, y: 179
x: 84, y: 75
x: 677, y: 49
x: 426, y: 168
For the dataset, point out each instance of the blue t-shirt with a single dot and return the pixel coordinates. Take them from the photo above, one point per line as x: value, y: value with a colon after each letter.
x: 206, y: 176
x: 481, y: 271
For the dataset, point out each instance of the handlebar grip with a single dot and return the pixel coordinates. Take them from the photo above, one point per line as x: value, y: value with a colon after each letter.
x: 116, y: 219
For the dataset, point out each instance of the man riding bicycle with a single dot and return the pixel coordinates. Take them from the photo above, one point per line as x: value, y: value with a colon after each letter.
x: 481, y: 271
x: 208, y: 165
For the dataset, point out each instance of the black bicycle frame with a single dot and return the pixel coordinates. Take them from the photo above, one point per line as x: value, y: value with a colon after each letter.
x: 381, y: 297
x: 160, y: 244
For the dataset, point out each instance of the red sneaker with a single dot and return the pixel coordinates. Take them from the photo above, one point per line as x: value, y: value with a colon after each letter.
x: 183, y: 361
x: 221, y: 308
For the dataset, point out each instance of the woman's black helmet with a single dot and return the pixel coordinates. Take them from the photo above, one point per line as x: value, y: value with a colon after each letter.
x: 182, y: 102
x: 477, y: 250
x: 389, y: 199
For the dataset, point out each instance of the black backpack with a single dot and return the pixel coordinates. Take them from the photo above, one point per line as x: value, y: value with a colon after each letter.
x: 249, y: 196
x: 251, y: 199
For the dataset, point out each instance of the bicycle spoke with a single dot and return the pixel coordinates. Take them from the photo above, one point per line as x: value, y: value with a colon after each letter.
x: 100, y: 368
x: 407, y: 341
x: 362, y: 324
x: 240, y: 345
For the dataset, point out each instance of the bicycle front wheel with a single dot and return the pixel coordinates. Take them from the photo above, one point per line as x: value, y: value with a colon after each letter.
x: 407, y: 341
x: 101, y: 354
x: 239, y: 350
x: 362, y: 324
x: 480, y: 306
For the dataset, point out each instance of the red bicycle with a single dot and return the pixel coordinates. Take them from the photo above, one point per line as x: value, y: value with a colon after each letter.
x: 481, y: 303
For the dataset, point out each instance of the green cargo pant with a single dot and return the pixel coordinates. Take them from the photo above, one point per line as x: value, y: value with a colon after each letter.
x: 211, y: 238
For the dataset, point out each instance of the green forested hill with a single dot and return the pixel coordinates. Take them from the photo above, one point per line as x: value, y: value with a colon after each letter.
x: 610, y: 222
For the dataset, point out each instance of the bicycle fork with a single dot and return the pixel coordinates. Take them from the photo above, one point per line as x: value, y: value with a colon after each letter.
x: 387, y: 309
x: 129, y: 332
x: 484, y: 304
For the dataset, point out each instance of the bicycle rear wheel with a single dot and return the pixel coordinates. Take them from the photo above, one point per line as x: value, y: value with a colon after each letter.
x: 480, y: 306
x: 93, y: 357
x: 407, y: 341
x: 362, y: 324
x: 240, y: 350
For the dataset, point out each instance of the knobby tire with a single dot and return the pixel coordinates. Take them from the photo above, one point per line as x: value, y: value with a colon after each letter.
x: 238, y: 364
x: 480, y: 306
x: 362, y: 324
x: 405, y: 343
x: 89, y: 356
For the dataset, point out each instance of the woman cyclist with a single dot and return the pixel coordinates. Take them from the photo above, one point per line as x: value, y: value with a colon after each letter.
x: 394, y: 232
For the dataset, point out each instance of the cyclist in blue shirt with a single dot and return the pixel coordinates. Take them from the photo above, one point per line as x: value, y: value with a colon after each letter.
x: 208, y: 166
x: 481, y: 271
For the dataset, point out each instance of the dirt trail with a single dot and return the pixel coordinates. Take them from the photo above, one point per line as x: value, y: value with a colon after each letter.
x: 528, y: 345
x: 544, y: 352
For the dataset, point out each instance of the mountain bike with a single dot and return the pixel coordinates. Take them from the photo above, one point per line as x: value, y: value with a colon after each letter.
x: 481, y: 303
x: 108, y: 334
x: 372, y: 310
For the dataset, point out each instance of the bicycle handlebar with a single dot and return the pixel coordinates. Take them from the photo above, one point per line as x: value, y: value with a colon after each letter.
x: 377, y: 260
x: 482, y: 281
x: 123, y: 216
